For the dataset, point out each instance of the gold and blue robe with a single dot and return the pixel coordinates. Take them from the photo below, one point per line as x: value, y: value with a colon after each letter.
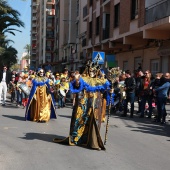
x: 41, y: 103
x: 83, y: 127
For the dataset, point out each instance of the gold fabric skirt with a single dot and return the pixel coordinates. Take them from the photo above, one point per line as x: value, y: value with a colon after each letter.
x: 40, y: 105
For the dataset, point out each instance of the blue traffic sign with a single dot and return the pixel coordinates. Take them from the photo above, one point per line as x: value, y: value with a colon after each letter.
x: 98, y: 56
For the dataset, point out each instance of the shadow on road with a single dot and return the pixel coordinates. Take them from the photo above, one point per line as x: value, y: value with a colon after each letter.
x: 146, y: 125
x: 15, y: 117
x: 10, y: 106
x: 41, y: 136
x: 66, y: 116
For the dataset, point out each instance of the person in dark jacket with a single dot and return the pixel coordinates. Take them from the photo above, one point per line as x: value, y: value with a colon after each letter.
x: 139, y: 78
x: 146, y: 94
x: 5, y: 78
x: 162, y: 92
x: 130, y: 85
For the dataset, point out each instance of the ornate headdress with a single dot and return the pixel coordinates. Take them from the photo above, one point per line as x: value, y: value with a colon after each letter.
x: 92, y: 66
x: 114, y: 73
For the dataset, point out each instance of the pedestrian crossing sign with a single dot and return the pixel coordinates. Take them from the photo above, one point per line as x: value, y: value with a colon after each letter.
x: 98, y: 56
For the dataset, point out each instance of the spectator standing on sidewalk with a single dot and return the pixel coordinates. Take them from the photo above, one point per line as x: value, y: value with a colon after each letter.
x: 139, y: 78
x: 167, y: 76
x: 162, y: 92
x: 130, y: 85
x: 146, y: 93
x: 12, y: 87
x: 5, y: 77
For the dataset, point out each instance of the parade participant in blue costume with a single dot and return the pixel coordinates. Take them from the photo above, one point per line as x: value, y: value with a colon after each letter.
x: 40, y: 107
x: 83, y: 128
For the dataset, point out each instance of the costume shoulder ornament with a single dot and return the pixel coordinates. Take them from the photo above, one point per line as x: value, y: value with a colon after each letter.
x: 91, y: 79
x: 40, y: 79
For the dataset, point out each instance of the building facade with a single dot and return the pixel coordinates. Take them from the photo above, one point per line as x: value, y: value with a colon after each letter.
x: 42, y: 33
x: 131, y: 31
x: 134, y: 31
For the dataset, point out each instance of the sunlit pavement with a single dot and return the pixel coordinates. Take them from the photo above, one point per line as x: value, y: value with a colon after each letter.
x: 132, y: 143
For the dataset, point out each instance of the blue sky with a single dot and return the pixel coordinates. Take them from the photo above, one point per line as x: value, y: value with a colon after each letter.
x: 21, y: 38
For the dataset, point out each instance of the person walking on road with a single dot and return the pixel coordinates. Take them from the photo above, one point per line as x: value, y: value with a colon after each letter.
x: 41, y: 104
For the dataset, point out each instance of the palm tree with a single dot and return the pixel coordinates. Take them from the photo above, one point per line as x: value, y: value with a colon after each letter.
x: 3, y: 6
x: 9, y: 57
x: 3, y: 43
x: 9, y: 18
x: 27, y: 48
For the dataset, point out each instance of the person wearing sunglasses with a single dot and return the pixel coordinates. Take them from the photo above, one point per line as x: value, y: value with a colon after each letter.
x: 146, y: 93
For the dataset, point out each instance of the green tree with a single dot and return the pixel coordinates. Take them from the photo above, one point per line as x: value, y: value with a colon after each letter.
x: 27, y: 50
x: 9, y: 18
x: 9, y: 57
x: 9, y: 22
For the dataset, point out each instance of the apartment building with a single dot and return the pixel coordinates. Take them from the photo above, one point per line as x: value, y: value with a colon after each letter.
x: 132, y: 31
x: 33, y: 42
x: 129, y: 31
x: 67, y: 31
x: 42, y: 33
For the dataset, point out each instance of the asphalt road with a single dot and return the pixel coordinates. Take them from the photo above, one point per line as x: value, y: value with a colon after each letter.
x: 133, y: 144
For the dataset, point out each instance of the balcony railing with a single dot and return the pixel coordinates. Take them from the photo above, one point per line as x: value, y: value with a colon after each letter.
x: 49, y: 48
x: 49, y: 35
x: 157, y: 11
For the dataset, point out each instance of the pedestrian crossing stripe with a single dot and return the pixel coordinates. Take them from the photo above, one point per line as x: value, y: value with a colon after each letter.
x: 99, y: 57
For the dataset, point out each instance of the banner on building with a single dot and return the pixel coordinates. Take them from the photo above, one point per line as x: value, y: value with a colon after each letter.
x: 111, y: 60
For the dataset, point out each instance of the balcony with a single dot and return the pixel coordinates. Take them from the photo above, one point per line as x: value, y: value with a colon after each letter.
x: 34, y: 38
x: 34, y: 52
x: 49, y: 48
x: 50, y: 11
x: 50, y: 36
x: 34, y: 25
x: 34, y: 11
x: 50, y: 2
x: 34, y: 18
x: 157, y: 11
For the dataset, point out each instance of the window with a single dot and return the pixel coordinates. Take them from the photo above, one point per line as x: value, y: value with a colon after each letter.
x: 90, y: 29
x: 97, y: 25
x: 136, y: 62
x: 77, y: 29
x: 125, y: 65
x: 91, y: 2
x: 134, y: 9
x: 155, y: 67
x: 117, y: 13
x: 77, y: 8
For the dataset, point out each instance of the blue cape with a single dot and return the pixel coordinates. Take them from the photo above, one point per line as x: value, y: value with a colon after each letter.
x: 33, y: 91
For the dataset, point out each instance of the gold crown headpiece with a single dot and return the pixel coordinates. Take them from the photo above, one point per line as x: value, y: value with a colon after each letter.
x: 93, y: 65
